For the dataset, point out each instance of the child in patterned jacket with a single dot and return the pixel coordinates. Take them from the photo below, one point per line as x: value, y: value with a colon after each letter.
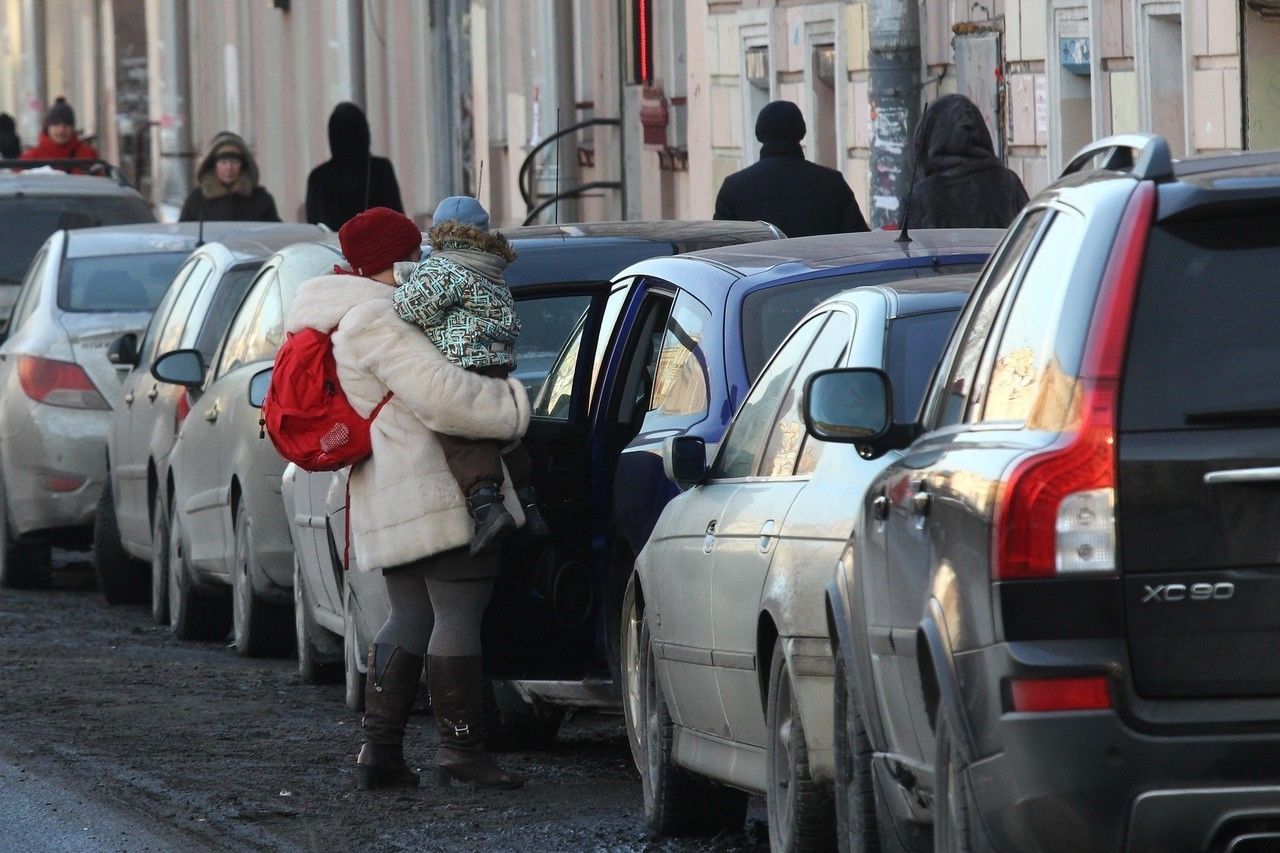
x: 458, y: 297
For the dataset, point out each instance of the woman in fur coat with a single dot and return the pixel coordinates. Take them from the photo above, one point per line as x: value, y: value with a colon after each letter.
x: 408, y: 517
x: 227, y: 188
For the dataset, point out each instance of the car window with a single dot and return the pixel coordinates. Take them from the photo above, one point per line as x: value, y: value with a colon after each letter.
x: 1027, y: 381
x: 28, y: 296
x: 169, y: 336
x: 107, y: 283
x: 769, y: 313
x: 227, y: 295
x: 244, y: 337
x: 951, y: 398
x: 30, y: 219
x: 742, y: 448
x: 551, y: 329
x: 613, y: 306
x: 680, y: 379
x: 786, y: 437
x: 160, y: 317
x: 914, y: 348
x: 636, y: 369
x: 1199, y: 358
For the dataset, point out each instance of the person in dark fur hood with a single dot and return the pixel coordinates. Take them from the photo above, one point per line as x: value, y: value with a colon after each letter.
x: 10, y: 143
x: 353, y: 180
x: 457, y: 295
x: 959, y: 181
x: 227, y: 188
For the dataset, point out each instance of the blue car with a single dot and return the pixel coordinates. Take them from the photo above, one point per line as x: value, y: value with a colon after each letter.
x: 671, y: 347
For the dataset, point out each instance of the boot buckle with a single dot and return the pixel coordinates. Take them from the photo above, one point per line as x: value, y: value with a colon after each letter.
x: 461, y: 730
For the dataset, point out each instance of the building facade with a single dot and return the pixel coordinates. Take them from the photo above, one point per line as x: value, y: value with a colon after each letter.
x: 605, y: 109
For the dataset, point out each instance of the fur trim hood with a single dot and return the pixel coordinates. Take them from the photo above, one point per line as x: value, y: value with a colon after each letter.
x: 453, y: 235
x: 227, y: 143
x: 323, y: 301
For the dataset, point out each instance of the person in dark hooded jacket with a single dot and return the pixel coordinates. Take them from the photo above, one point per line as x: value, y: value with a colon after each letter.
x: 353, y: 180
x: 959, y: 181
x: 227, y: 188
x: 785, y: 189
x: 10, y: 144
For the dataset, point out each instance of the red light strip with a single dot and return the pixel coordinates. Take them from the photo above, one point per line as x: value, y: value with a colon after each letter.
x: 642, y: 9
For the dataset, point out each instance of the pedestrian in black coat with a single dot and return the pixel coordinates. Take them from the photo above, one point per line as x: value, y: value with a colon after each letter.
x: 959, y: 181
x: 10, y: 144
x: 786, y: 190
x: 227, y: 188
x: 353, y: 180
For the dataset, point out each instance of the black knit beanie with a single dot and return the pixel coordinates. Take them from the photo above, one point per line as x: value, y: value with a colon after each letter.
x: 60, y: 113
x: 780, y: 121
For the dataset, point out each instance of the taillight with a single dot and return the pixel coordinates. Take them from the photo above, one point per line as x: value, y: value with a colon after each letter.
x: 58, y: 383
x: 1055, y: 513
x: 1089, y: 693
x: 182, y: 409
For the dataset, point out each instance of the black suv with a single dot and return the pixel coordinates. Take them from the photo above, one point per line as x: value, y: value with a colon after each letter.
x: 1057, y: 621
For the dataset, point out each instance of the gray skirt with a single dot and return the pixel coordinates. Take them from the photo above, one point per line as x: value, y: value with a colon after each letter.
x: 453, y: 565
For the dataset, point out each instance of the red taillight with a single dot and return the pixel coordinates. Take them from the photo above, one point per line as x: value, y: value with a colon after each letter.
x: 181, y: 411
x: 1060, y: 694
x: 58, y: 383
x: 1080, y: 466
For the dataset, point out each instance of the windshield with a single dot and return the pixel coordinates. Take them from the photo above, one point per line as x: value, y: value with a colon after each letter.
x: 29, y: 220
x: 117, y: 282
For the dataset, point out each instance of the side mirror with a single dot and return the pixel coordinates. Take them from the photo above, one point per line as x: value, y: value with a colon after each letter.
x: 258, y: 386
x: 180, y: 367
x: 124, y: 350
x: 684, y: 460
x: 848, y: 405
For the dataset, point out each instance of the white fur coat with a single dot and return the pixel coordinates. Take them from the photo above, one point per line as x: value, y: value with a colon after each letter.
x: 405, y: 504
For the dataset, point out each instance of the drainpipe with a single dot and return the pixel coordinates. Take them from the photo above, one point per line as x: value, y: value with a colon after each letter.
x: 355, y: 34
x: 895, y: 103
x: 169, y: 94
x: 33, y: 101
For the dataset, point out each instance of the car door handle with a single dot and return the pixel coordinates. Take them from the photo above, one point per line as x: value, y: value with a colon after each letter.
x: 767, y: 536
x: 212, y: 415
x: 1242, y: 475
x: 709, y: 541
x: 128, y: 399
x: 920, y: 502
x: 880, y: 508
x: 153, y: 393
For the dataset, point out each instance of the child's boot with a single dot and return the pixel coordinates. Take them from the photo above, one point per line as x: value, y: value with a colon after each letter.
x: 534, y: 524
x: 493, y: 522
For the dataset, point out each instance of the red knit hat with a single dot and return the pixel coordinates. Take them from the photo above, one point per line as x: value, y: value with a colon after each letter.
x: 374, y: 240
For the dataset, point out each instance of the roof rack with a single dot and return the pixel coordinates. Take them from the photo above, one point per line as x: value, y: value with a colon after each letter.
x: 1144, y: 155
x: 91, y: 166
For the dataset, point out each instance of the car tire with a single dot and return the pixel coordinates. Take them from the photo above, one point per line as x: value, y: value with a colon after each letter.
x: 23, y: 565
x: 952, y: 823
x: 514, y: 724
x: 193, y: 615
x: 353, y: 678
x: 121, y: 578
x: 314, y: 667
x: 677, y: 802
x: 159, y: 562
x: 863, y: 821
x: 630, y: 660
x: 801, y: 809
x: 259, y: 628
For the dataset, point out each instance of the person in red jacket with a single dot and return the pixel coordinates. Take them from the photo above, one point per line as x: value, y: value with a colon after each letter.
x: 58, y: 137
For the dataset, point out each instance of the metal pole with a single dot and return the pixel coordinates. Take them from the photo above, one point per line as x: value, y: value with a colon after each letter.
x: 895, y: 102
x: 34, y: 100
x: 169, y: 95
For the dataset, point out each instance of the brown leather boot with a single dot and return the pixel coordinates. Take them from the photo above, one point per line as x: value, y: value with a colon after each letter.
x: 389, y: 693
x: 457, y: 697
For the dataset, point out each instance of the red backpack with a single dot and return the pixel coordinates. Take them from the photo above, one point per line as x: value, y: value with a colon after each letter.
x: 309, y: 419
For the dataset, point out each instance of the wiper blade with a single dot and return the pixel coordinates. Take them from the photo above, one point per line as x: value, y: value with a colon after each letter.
x: 1260, y: 416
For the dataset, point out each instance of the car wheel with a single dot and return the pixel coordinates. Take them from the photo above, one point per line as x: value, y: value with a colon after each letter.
x: 159, y: 563
x: 952, y: 826
x: 121, y: 578
x: 801, y: 809
x: 314, y: 667
x: 515, y: 724
x: 630, y: 657
x: 23, y: 565
x: 353, y: 677
x: 193, y: 615
x: 676, y: 802
x: 863, y: 822
x: 259, y: 628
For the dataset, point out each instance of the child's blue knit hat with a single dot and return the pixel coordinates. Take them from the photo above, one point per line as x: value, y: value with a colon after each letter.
x: 464, y: 209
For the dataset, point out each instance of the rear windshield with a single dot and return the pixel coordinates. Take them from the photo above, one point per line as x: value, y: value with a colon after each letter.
x: 29, y: 220
x: 117, y: 282
x: 769, y: 313
x: 1206, y: 329
x: 915, y: 347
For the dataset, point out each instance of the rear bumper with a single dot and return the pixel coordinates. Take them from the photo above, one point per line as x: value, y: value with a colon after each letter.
x: 55, y: 448
x: 1092, y: 781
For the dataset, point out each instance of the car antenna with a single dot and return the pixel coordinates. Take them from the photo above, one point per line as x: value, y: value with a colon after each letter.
x: 558, y: 141
x: 905, y: 236
x: 480, y: 180
x: 200, y: 229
